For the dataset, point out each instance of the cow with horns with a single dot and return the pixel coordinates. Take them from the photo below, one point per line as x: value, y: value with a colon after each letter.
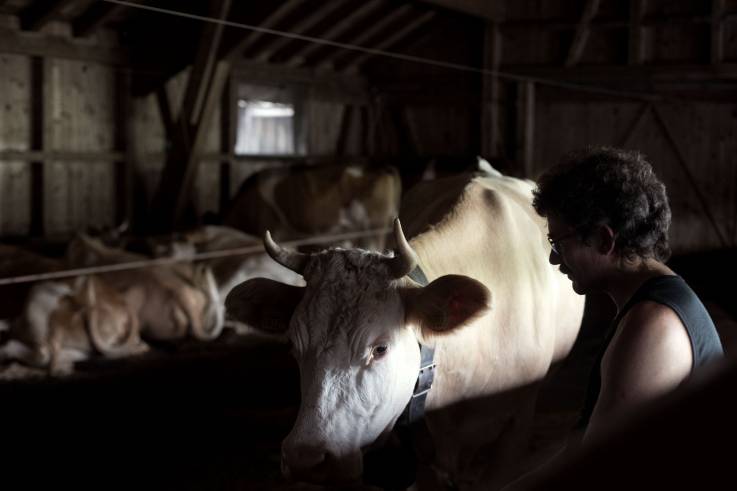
x: 496, y: 313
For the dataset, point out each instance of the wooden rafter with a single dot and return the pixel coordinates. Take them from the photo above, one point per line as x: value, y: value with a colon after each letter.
x: 41, y: 12
x: 338, y: 29
x: 637, y: 36
x: 369, y: 33
x: 582, y: 32
x: 95, y: 16
x: 717, y: 31
x: 271, y: 22
x: 304, y: 25
x: 204, y: 88
x: 395, y: 38
x: 485, y: 9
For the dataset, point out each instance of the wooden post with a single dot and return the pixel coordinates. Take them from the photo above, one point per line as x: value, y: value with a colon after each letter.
x: 717, y: 32
x: 491, y: 106
x: 39, y: 71
x: 228, y: 127
x: 526, y: 127
x: 123, y: 175
x: 639, y: 34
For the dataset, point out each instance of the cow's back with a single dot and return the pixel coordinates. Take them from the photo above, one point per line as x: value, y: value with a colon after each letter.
x: 485, y: 227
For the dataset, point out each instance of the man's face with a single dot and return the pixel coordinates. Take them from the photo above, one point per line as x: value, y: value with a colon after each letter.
x: 570, y: 253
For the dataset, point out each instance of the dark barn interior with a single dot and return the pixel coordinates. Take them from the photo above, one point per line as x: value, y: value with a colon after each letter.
x: 147, y: 145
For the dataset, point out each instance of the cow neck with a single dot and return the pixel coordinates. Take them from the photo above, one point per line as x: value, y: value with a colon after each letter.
x: 415, y: 409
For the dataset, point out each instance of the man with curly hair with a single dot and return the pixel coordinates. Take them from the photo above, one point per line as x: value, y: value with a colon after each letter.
x: 608, y: 218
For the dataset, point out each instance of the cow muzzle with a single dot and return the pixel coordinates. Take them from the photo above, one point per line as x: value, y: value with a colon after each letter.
x: 314, y: 464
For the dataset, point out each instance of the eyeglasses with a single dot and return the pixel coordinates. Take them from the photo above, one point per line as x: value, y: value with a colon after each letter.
x: 555, y: 243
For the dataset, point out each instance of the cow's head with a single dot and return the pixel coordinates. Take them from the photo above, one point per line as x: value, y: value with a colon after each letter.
x: 354, y: 330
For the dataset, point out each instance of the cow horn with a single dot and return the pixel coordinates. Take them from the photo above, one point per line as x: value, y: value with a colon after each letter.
x: 296, y: 261
x: 405, y: 259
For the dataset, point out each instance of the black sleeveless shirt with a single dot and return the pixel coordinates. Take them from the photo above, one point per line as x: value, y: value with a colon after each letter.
x: 672, y: 291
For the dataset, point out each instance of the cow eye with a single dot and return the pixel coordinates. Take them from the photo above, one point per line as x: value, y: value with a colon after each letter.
x: 379, y: 351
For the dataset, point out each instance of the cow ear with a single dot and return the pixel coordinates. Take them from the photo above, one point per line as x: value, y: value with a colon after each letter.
x: 263, y: 304
x: 447, y: 303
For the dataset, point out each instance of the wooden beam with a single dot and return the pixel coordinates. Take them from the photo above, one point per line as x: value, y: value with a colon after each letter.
x: 582, y: 32
x: 623, y: 73
x: 39, y: 94
x: 95, y: 16
x: 271, y: 22
x: 393, y: 39
x: 60, y: 155
x: 304, y: 25
x: 204, y: 63
x: 638, y: 36
x: 526, y: 127
x: 222, y: 71
x: 41, y: 12
x: 485, y: 9
x: 228, y: 128
x: 337, y: 30
x: 681, y: 159
x: 717, y: 31
x: 636, y: 124
x: 37, y: 44
x: 345, y: 126
x: 490, y: 110
x: 123, y: 184
x: 367, y: 34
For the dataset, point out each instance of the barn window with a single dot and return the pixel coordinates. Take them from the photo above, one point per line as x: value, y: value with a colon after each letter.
x: 268, y: 122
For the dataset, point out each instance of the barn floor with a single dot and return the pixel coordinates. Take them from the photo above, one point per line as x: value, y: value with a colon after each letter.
x: 212, y: 416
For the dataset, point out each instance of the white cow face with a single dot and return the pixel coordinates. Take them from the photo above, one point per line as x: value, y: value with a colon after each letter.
x: 354, y: 331
x: 358, y: 363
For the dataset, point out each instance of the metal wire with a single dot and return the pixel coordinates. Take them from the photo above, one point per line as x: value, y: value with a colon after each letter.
x: 162, y: 261
x: 399, y: 56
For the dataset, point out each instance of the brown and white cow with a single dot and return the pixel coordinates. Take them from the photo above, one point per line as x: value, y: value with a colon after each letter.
x: 317, y: 200
x: 495, y: 311
x: 71, y: 320
x: 171, y: 302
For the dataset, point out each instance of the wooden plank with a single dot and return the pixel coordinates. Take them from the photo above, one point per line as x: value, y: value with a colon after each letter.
x: 683, y: 162
x: 272, y: 21
x: 393, y: 39
x: 37, y: 44
x: 638, y: 35
x: 304, y: 25
x: 41, y: 12
x: 405, y: 11
x: 491, y: 107
x: 717, y: 31
x: 582, y: 32
x: 94, y: 17
x: 526, y: 127
x: 340, y: 28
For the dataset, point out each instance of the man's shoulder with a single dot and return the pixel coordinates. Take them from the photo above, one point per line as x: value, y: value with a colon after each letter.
x: 651, y: 336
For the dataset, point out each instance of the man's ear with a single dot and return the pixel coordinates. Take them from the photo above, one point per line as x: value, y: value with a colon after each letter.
x: 263, y: 304
x: 447, y: 303
x: 605, y: 239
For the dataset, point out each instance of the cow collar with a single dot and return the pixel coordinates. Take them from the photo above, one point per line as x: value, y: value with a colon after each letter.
x: 415, y: 409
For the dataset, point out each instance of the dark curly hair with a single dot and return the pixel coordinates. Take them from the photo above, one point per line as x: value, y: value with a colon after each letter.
x: 609, y: 186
